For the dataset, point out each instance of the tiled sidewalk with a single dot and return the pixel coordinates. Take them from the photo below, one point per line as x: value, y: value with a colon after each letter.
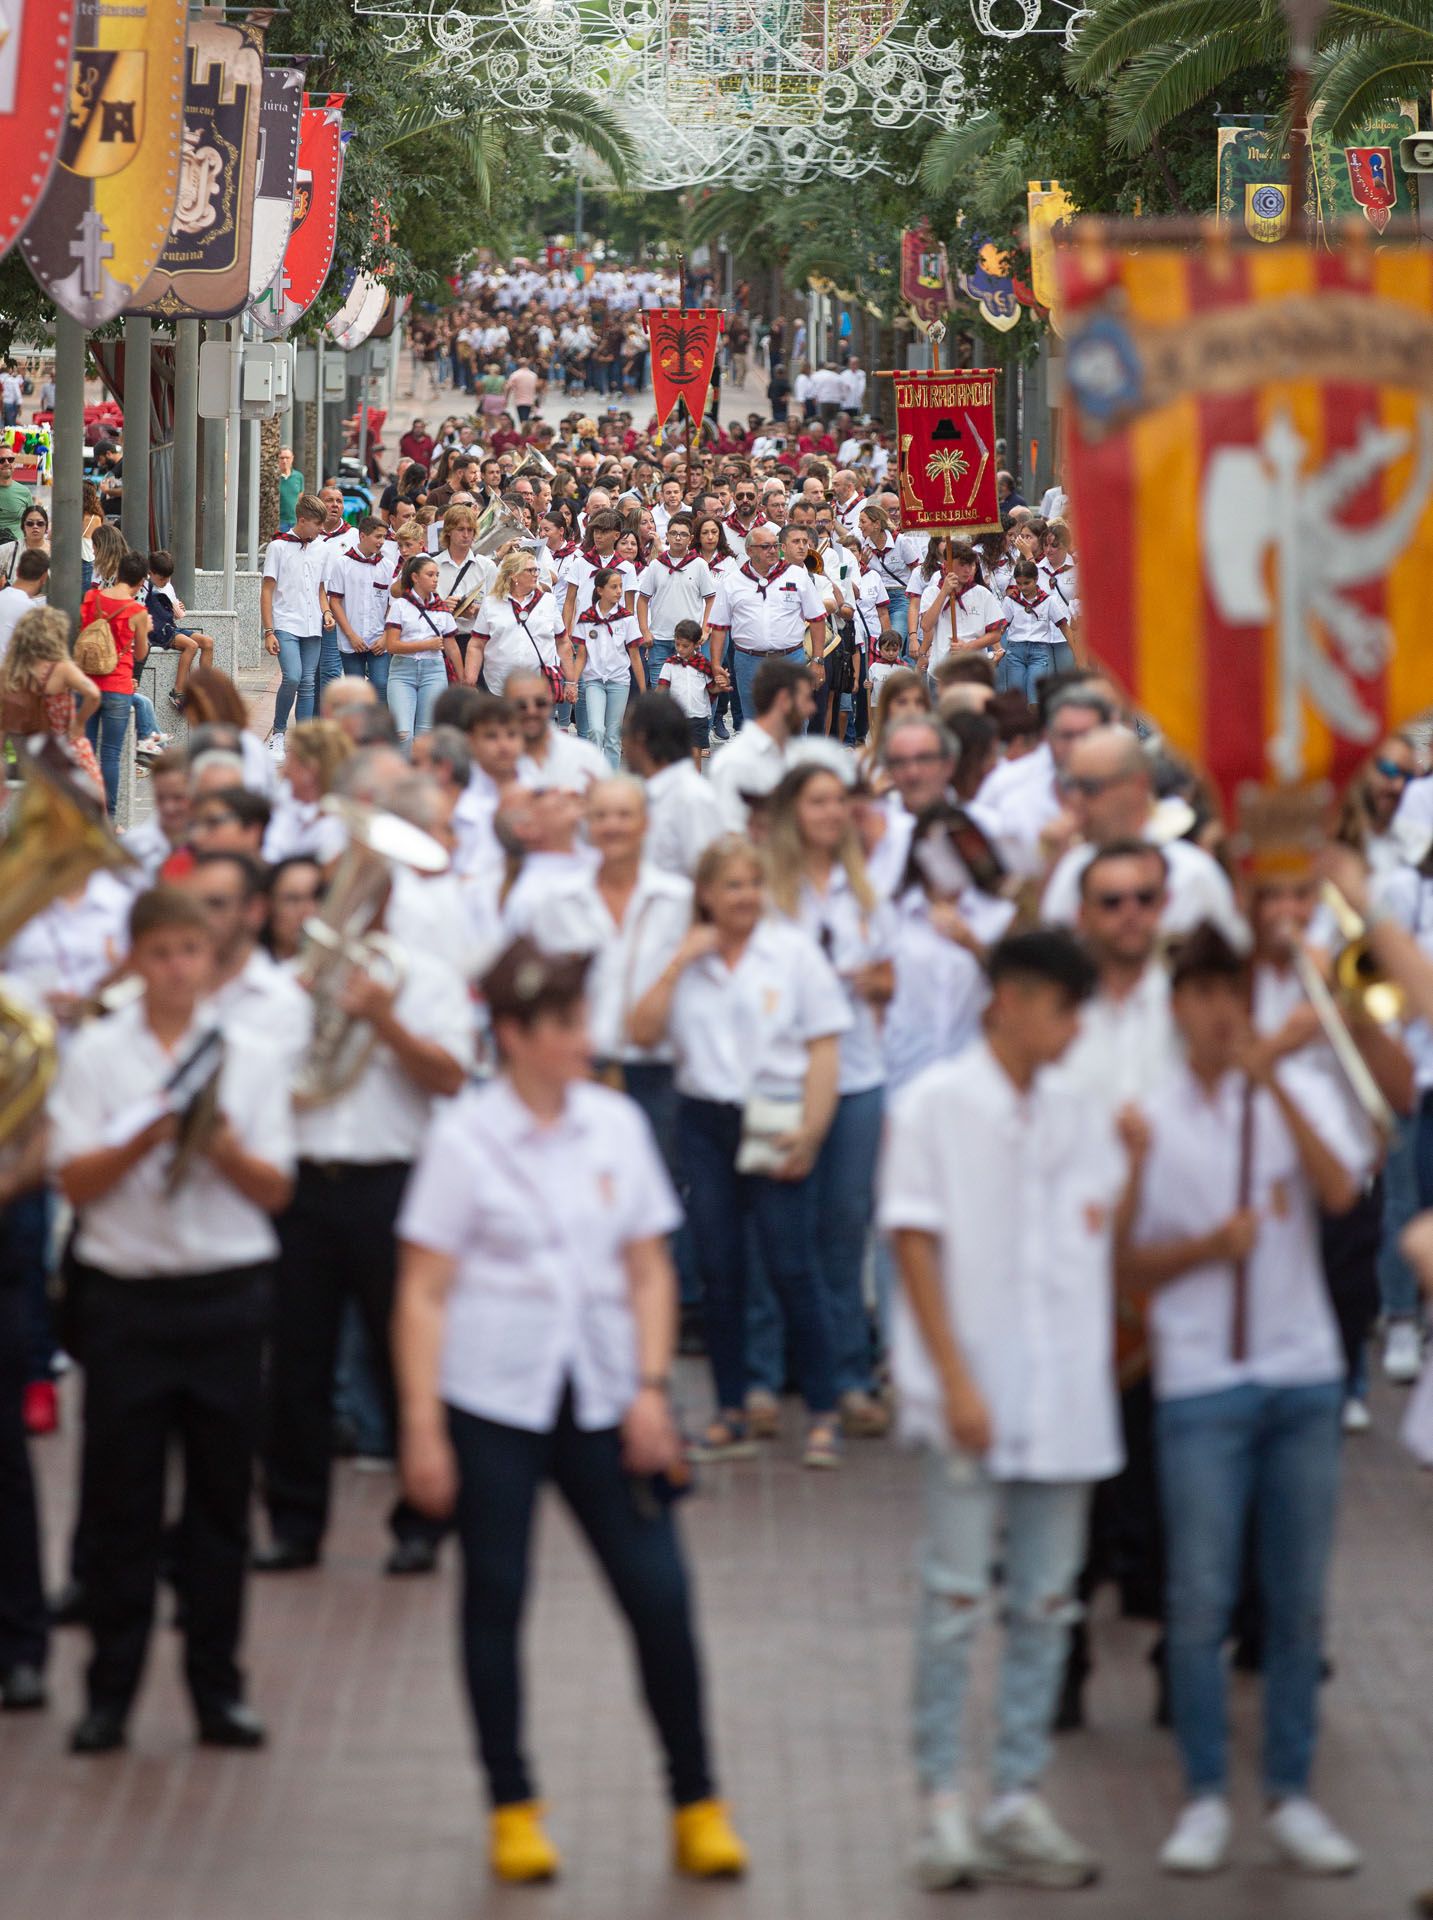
x: 366, y: 1805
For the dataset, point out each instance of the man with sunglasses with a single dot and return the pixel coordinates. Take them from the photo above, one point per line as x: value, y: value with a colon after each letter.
x: 14, y: 498
x: 548, y: 750
x: 1393, y: 826
x: 745, y: 512
x: 1108, y: 787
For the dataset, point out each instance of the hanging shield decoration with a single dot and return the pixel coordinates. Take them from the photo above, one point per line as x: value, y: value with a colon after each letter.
x: 279, y: 112
x: 204, y: 269
x: 309, y: 252
x: 94, y: 239
x: 36, y: 39
x: 1371, y: 181
x: 367, y: 296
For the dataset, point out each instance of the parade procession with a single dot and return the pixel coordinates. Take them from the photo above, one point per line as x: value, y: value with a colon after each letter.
x: 716, y: 958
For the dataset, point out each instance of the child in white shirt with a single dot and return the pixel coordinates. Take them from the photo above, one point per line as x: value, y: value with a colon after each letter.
x: 609, y: 647
x: 1034, y: 641
x: 687, y: 676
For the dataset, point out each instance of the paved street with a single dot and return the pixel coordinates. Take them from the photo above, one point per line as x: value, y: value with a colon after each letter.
x: 366, y: 1805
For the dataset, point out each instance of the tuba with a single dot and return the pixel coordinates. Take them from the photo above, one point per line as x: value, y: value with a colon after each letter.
x: 497, y: 525
x: 343, y: 939
x: 56, y: 835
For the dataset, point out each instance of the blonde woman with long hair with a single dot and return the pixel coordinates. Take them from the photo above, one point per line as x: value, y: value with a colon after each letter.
x: 819, y: 881
x: 316, y: 751
x: 43, y: 691
x: 517, y: 629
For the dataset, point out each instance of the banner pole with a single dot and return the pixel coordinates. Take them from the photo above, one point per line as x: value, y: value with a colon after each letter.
x: 682, y: 307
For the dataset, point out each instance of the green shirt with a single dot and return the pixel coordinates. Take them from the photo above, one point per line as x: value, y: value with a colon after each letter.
x: 13, y: 501
x: 290, y: 487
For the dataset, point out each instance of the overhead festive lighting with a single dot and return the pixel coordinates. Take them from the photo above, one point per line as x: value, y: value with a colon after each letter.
x: 1013, y: 19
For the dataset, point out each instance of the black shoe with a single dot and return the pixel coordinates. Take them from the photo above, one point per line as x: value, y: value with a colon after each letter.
x: 69, y: 1608
x: 412, y: 1556
x: 101, y: 1731
x: 283, y: 1556
x: 22, y: 1689
x: 231, y: 1724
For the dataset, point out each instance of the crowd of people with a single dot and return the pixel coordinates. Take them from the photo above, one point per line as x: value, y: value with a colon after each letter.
x: 679, y: 908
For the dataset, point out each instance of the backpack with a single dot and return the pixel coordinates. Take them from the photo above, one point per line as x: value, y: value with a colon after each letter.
x: 96, y: 652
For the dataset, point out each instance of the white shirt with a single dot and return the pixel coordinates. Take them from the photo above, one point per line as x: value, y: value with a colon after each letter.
x: 424, y: 622
x: 684, y: 816
x: 1190, y: 1185
x: 1037, y: 623
x: 477, y: 576
x: 71, y: 945
x: 384, y: 1115
x: 582, y: 568
x: 1199, y: 889
x: 109, y: 1088
x: 941, y: 992
x: 675, y: 590
x: 849, y: 512
x: 606, y: 638
x: 754, y: 762
x: 541, y: 875
x: 1125, y: 1048
x: 826, y: 387
x: 538, y: 1219
x: 770, y: 615
x: 627, y: 959
x: 747, y: 1029
x: 301, y: 827
x: 1062, y: 582
x: 264, y: 1005
x: 853, y: 389
x: 1408, y: 897
x: 1020, y: 1191
x: 569, y: 760
x: 851, y: 938
x: 146, y: 843
x: 689, y: 682
x: 517, y: 636
x: 14, y: 604
x: 297, y: 568
x: 975, y: 611
x: 363, y: 585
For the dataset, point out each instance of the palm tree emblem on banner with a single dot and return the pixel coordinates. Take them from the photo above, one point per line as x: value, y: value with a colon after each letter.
x: 949, y: 464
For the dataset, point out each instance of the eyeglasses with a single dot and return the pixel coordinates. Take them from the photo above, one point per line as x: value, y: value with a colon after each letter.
x: 1091, y: 785
x: 533, y: 706
x: 1136, y: 897
x: 1391, y: 770
x: 218, y: 902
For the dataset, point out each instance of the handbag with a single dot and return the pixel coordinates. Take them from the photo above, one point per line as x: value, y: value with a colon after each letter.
x: 552, y: 675
x: 442, y: 650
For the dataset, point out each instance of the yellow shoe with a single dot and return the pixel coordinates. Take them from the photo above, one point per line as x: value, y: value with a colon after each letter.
x: 518, y: 1846
x: 705, y: 1844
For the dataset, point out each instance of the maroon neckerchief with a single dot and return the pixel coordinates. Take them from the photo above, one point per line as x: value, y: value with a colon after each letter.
x: 561, y: 553
x: 364, y: 559
x: 520, y: 607
x: 675, y: 566
x: 343, y: 527
x: 758, y: 519
x: 756, y: 579
x: 698, y: 660
x: 594, y: 558
x: 1029, y: 605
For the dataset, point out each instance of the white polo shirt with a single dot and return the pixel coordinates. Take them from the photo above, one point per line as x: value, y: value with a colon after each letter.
x: 109, y: 1088
x: 582, y: 568
x: 675, y: 590
x: 1190, y: 1185
x: 297, y: 568
x: 518, y: 636
x: 684, y: 816
x: 745, y: 1030
x: 1063, y: 583
x: 606, y: 638
x: 1020, y: 1192
x: 460, y: 579
x: 569, y: 761
x: 941, y: 988
x: 264, y: 1005
x: 363, y: 585
x: 538, y: 1219
x: 627, y: 959
x: 690, y: 684
x: 1038, y: 622
x: 974, y: 611
x: 422, y: 621
x: 1199, y: 889
x: 766, y: 615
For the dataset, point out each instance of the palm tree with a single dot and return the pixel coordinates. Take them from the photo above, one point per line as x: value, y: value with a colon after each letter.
x: 484, y: 129
x: 948, y: 466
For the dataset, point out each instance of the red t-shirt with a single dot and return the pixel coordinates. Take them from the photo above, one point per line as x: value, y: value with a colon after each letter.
x: 121, y: 614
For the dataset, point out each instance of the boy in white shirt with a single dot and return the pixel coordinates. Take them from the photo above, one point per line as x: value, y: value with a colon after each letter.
x: 358, y: 580
x: 687, y: 676
x: 675, y: 586
x: 1002, y: 1352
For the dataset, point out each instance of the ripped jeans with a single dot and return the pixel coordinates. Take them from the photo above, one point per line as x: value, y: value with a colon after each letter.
x: 1036, y: 1530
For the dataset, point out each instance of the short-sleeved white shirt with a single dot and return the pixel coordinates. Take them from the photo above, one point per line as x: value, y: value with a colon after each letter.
x: 297, y: 569
x: 627, y: 959
x: 425, y: 622
x: 684, y: 816
x: 851, y: 938
x: 538, y: 1219
x: 517, y: 635
x: 1037, y: 623
x: 745, y: 1030
x: 606, y: 638
x: 974, y: 612
x: 581, y: 569
x: 1020, y: 1191
x: 770, y: 615
x: 363, y: 585
x: 690, y: 684
x: 675, y: 590
x: 477, y: 573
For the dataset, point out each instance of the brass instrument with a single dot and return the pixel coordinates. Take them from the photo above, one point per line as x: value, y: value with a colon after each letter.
x: 56, y: 836
x: 536, y: 466
x: 343, y: 939
x: 1342, y: 1045
x: 496, y: 526
x: 1362, y: 983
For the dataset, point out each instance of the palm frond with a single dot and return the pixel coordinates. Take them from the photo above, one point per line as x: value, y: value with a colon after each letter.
x: 1119, y: 31
x: 1357, y: 81
x: 1350, y: 18
x: 949, y: 153
x: 1163, y: 83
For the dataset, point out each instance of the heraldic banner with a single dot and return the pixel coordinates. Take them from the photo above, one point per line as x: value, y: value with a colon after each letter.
x: 204, y: 268
x: 945, y: 426
x: 684, y: 346
x: 1250, y: 454
x: 925, y: 275
x: 105, y: 218
x: 279, y: 113
x: 34, y: 80
x: 308, y: 256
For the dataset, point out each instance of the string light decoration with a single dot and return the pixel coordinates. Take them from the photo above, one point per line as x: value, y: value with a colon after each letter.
x: 1014, y: 19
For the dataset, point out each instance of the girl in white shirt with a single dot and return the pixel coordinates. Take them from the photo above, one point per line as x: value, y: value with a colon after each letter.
x: 609, y: 660
x: 533, y: 1336
x: 417, y: 636
x: 1036, y: 618
x: 754, y: 1013
x: 957, y: 613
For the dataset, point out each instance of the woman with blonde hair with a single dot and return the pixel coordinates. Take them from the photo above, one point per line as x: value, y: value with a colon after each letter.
x: 819, y: 881
x: 462, y: 574
x: 516, y: 629
x: 904, y: 695
x: 316, y: 751
x: 43, y: 691
x: 753, y: 1012
x: 110, y: 547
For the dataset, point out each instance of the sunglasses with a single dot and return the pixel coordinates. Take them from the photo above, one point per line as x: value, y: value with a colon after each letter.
x: 1137, y: 897
x: 533, y: 706
x: 1391, y: 770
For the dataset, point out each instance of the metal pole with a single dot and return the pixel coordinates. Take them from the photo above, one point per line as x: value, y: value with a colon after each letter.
x: 315, y: 479
x: 231, y: 460
x: 186, y: 454
x: 134, y: 513
x: 251, y: 502
x: 69, y: 464
x: 212, y: 550
x: 577, y: 215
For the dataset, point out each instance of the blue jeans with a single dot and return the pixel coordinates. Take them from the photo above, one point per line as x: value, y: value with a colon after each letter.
x: 357, y: 1396
x: 414, y: 682
x: 1273, y: 1453
x: 606, y: 703
x: 844, y: 1182
x: 106, y: 730
x: 372, y: 667
x: 649, y: 1083
x: 1024, y: 667
x: 743, y: 667
x: 1037, y: 1529
x: 330, y: 659
x: 657, y: 656
x: 721, y: 1203
x: 298, y: 663
x: 1396, y: 1283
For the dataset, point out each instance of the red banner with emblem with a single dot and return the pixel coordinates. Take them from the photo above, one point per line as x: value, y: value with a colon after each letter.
x: 34, y: 80
x: 684, y: 348
x: 309, y: 253
x: 1372, y: 183
x: 945, y: 429
x: 1249, y: 459
x: 925, y: 275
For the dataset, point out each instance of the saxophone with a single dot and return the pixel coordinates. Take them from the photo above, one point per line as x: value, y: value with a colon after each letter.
x: 344, y: 939
x: 56, y: 836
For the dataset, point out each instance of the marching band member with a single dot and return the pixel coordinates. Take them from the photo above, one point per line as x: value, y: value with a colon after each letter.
x: 462, y: 573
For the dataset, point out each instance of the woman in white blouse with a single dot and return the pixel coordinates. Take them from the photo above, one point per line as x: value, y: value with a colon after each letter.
x: 417, y: 637
x: 754, y: 1013
x: 534, y: 1336
x: 516, y: 629
x: 957, y: 613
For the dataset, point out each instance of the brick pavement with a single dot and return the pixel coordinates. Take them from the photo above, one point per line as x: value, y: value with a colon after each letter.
x: 366, y: 1804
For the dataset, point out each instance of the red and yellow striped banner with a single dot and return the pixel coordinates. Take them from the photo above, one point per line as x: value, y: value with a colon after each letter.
x: 1250, y: 466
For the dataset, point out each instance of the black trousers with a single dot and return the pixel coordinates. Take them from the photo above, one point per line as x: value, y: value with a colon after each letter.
x: 500, y: 1471
x: 169, y: 1361
x: 24, y: 1627
x: 336, y: 1244
x: 1126, y: 1532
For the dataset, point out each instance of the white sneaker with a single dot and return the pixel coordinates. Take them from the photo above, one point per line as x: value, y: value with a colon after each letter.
x: 1023, y: 1844
x: 1200, y: 1841
x: 947, y: 1854
x: 1403, y: 1352
x: 276, y: 746
x: 1356, y: 1416
x: 1309, y: 1841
